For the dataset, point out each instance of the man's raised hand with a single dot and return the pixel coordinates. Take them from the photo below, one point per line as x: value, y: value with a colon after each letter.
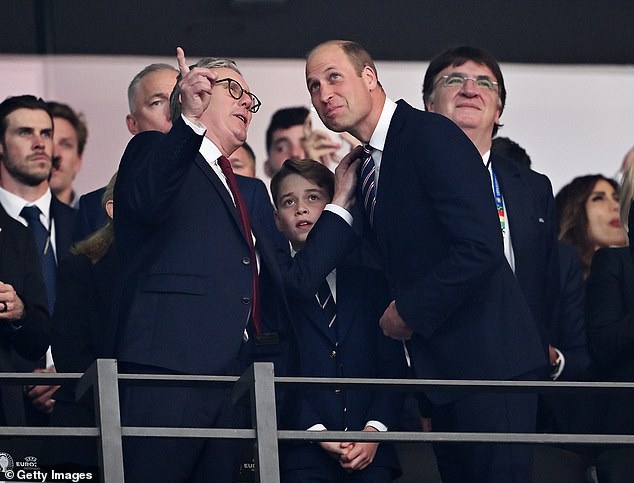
x: 195, y: 86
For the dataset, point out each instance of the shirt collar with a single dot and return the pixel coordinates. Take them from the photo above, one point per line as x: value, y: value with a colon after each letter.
x: 13, y: 204
x: 209, y: 150
x: 377, y: 140
x: 485, y: 158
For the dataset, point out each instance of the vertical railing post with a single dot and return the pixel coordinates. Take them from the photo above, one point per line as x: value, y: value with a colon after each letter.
x: 106, y: 393
x: 259, y: 378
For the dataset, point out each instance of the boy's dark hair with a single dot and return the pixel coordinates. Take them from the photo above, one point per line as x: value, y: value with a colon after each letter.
x: 309, y: 169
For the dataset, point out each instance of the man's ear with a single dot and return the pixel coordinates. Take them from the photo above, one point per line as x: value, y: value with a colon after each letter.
x: 110, y: 208
x: 267, y: 168
x: 370, y: 77
x: 130, y: 121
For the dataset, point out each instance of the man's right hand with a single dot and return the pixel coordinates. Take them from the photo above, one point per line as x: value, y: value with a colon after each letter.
x: 196, y: 85
x: 346, y: 179
x: 334, y: 449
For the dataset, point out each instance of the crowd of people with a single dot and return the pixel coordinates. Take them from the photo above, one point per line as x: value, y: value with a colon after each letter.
x: 430, y: 250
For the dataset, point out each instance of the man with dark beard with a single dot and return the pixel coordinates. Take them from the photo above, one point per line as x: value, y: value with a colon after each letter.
x: 26, y: 137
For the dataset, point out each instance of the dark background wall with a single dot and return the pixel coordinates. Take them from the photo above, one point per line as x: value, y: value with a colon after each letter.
x: 529, y: 31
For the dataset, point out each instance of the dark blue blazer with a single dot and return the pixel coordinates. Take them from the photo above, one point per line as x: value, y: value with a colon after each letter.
x: 90, y: 214
x: 184, y: 291
x: 439, y: 235
x: 528, y: 197
x: 356, y: 348
x: 64, y: 218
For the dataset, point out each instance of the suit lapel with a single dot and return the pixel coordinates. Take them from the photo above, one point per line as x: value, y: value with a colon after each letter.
x: 315, y: 315
x: 516, y: 201
x: 220, y: 188
x: 348, y: 300
x: 389, y: 161
x: 63, y: 218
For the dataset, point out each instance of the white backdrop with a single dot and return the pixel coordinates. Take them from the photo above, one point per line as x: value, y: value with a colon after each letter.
x: 572, y: 120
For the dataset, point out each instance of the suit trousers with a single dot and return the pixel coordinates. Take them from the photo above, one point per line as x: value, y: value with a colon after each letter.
x: 179, y: 459
x: 486, y: 462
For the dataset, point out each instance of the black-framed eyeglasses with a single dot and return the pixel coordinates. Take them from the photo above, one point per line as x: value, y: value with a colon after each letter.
x: 237, y: 91
x: 459, y: 80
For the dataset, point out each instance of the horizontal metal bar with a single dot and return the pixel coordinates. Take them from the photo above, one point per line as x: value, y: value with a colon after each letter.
x: 176, y: 380
x: 15, y: 378
x: 188, y: 432
x: 47, y: 431
x: 540, y: 438
x: 421, y: 385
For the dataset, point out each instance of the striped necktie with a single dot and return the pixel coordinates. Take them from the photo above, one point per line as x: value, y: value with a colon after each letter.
x: 368, y: 184
x: 327, y: 303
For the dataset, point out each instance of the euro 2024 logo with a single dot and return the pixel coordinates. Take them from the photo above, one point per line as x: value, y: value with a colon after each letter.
x: 6, y: 465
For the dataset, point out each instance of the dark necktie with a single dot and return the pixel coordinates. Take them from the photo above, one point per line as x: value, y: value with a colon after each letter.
x: 225, y: 165
x: 43, y: 243
x: 327, y: 303
x: 368, y: 184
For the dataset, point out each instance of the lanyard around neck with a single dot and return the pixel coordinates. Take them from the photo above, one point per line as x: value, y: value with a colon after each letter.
x: 499, y: 202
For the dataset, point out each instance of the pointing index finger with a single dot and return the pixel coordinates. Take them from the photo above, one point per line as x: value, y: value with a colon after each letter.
x: 182, y: 64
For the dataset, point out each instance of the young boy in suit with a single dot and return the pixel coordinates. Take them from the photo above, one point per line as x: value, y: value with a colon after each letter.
x: 337, y: 334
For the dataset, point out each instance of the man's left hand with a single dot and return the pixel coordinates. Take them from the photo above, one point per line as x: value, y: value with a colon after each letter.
x: 41, y: 396
x: 360, y: 455
x: 393, y: 325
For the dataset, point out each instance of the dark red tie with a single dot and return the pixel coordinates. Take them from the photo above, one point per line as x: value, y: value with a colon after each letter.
x: 225, y: 165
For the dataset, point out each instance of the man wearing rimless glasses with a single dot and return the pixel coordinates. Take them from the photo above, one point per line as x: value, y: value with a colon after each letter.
x: 466, y: 85
x: 201, y: 288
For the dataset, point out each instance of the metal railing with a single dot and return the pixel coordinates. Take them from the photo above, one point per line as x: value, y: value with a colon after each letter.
x: 259, y: 383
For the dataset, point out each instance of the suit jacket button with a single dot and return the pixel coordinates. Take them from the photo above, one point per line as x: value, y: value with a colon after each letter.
x: 337, y: 391
x: 246, y: 261
x: 246, y: 300
x: 333, y: 354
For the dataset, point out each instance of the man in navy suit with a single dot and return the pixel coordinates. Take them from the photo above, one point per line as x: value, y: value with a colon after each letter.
x: 185, y: 301
x: 429, y: 208
x: 26, y: 131
x: 337, y: 335
x: 466, y: 85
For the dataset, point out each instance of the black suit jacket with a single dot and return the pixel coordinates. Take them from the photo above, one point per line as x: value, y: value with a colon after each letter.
x: 20, y: 267
x: 439, y: 236
x: 90, y: 214
x: 610, y: 332
x: 185, y: 282
x: 64, y: 219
